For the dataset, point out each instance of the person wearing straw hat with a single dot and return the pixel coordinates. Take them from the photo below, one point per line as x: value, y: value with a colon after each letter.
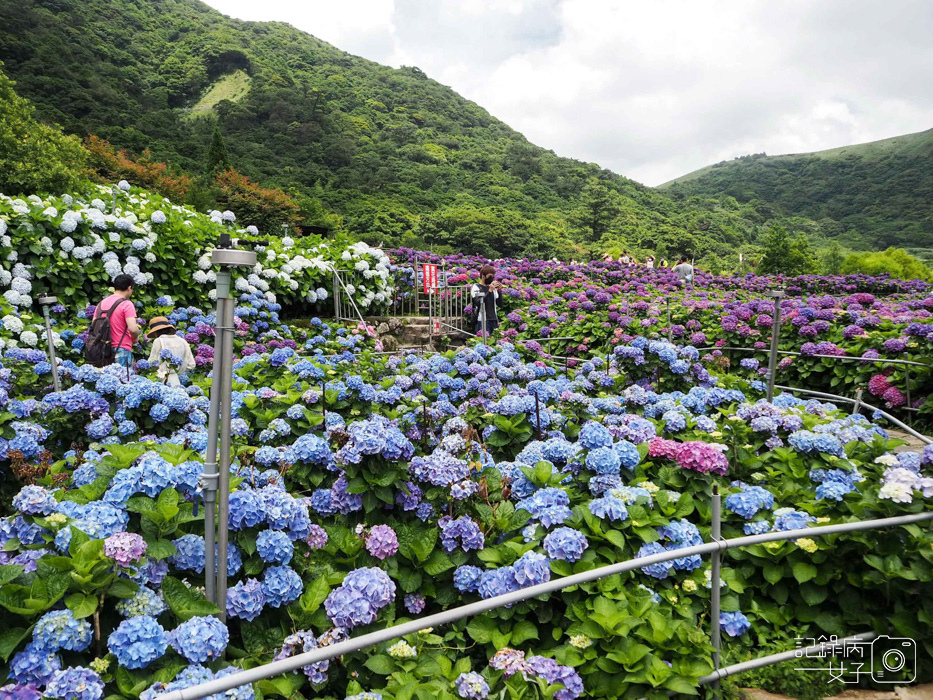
x: 170, y: 350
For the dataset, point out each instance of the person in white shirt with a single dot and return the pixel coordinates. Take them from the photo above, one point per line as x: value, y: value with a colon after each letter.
x: 485, y: 294
x: 171, y: 351
x: 649, y: 262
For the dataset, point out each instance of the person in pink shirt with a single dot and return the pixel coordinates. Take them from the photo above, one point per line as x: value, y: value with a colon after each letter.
x: 123, y: 327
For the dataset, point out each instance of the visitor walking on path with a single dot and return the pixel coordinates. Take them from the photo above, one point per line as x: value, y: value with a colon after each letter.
x: 170, y: 350
x: 486, y: 293
x: 684, y: 272
x: 119, y: 313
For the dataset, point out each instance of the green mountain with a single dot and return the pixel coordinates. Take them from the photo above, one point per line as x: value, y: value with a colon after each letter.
x: 401, y: 158
x: 871, y: 195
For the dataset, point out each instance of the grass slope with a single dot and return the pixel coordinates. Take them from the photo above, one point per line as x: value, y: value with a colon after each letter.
x: 233, y: 87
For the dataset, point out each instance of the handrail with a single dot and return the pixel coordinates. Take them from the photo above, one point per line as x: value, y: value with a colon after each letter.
x: 752, y: 664
x: 851, y: 358
x: 293, y: 663
x: 860, y: 403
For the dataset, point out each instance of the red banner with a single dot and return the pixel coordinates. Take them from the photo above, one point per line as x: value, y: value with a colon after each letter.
x: 430, y: 278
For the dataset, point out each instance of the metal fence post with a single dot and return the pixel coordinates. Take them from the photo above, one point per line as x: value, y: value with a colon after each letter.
x: 858, y: 402
x: 714, y: 582
x: 670, y: 330
x: 775, y: 333
x: 417, y: 309
x: 223, y: 468
x: 907, y: 388
x: 46, y: 302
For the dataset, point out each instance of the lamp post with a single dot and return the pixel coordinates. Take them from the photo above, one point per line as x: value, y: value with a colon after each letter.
x: 216, y: 478
x: 45, y: 302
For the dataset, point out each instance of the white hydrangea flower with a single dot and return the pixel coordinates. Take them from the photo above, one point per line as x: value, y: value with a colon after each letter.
x: 5, y: 277
x: 21, y: 285
x: 229, y: 216
x: 34, y: 199
x: 270, y: 297
x: 212, y: 295
x: 241, y: 284
x: 270, y: 254
x: 212, y: 276
x: 204, y: 262
x: 312, y: 296
x: 131, y: 269
x: 5, y: 241
x: 106, y: 257
x: 151, y: 258
x: 252, y: 230
x: 132, y: 260
x: 12, y: 256
x: 200, y: 276
x: 113, y: 268
x: 67, y: 199
x: 29, y: 338
x: 68, y: 224
x: 124, y: 185
x: 346, y: 255
x: 322, y: 293
x: 140, y: 279
x: 293, y: 285
x: 288, y: 242
x: 270, y: 274
x: 3, y: 228
x: 12, y: 324
x: 98, y: 204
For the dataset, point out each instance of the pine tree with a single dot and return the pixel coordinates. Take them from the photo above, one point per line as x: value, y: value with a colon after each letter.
x: 217, y: 158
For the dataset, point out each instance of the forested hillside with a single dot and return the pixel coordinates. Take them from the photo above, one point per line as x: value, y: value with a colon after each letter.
x: 402, y: 159
x: 870, y: 195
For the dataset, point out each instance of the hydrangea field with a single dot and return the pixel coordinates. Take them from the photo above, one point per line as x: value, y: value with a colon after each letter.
x: 368, y: 489
x: 596, y: 306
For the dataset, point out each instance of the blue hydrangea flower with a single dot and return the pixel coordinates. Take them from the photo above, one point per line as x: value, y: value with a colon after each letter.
x: 137, y: 642
x: 200, y: 639
x: 594, y: 435
x: 566, y: 544
x: 34, y: 665
x: 246, y: 599
x: 604, y: 460
x: 281, y: 585
x: 75, y: 683
x: 466, y: 578
x: 274, y: 547
x: 60, y: 630
x: 145, y: 603
x: 735, y: 624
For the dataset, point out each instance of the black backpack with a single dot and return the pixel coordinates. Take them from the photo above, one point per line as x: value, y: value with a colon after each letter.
x: 98, y: 347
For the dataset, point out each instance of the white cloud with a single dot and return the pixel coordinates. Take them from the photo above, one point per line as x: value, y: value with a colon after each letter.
x: 654, y: 89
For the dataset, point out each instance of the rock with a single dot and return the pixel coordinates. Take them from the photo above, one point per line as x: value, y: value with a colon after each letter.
x: 389, y: 343
x: 382, y: 329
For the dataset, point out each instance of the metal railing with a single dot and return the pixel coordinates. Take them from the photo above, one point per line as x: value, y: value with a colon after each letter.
x: 844, y: 358
x: 343, y: 300
x: 716, y: 547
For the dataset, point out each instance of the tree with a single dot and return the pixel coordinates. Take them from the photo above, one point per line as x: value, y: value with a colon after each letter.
x: 896, y: 262
x: 266, y: 208
x: 785, y: 255
x: 833, y: 259
x: 34, y: 157
x: 598, y: 207
x: 217, y: 158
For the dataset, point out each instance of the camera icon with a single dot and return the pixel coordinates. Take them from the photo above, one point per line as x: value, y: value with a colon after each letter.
x: 893, y: 659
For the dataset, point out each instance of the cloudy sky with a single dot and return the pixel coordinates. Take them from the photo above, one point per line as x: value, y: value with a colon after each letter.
x: 655, y: 89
